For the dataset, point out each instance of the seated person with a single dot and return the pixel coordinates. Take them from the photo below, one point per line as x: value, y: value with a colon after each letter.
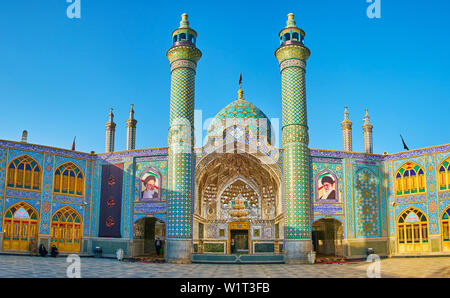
x: 54, y: 251
x: 42, y: 250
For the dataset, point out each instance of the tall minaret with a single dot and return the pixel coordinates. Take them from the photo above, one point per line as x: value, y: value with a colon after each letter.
x: 183, y: 57
x: 347, y: 132
x: 367, y: 131
x: 292, y: 56
x: 131, y: 131
x: 110, y: 132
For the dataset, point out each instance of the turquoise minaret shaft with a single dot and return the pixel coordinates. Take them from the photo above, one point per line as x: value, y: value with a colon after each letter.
x: 292, y: 56
x: 183, y: 57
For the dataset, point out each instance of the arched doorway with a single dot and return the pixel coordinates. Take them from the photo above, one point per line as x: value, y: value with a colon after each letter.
x: 327, y: 237
x: 412, y: 231
x: 445, y: 229
x: 20, y: 227
x: 66, y: 230
x: 146, y: 231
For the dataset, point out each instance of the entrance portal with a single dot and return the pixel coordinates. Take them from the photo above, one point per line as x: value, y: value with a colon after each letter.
x: 239, y: 238
x: 327, y: 236
x: 146, y: 232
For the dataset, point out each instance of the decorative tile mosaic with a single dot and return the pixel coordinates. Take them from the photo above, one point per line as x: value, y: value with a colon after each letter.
x: 3, y: 157
x: 367, y: 203
x: 43, y: 149
x: 23, y: 194
x: 59, y: 160
x: 87, y: 199
x: 47, y: 192
x: 12, y: 154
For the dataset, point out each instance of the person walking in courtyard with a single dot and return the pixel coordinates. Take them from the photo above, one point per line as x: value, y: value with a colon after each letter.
x: 158, y: 246
x: 42, y: 250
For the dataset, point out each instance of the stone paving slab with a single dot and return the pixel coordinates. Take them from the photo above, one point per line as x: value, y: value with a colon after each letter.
x: 38, y: 267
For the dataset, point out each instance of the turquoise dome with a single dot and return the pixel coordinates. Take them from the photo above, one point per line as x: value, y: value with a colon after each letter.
x: 238, y: 109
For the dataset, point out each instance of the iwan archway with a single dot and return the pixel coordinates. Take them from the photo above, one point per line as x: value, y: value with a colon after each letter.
x: 238, y: 208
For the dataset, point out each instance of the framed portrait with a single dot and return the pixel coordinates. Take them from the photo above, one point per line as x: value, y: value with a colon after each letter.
x: 327, y: 187
x: 150, y: 186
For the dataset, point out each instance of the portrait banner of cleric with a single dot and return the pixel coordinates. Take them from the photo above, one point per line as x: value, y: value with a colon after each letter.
x: 150, y: 189
x: 328, y: 189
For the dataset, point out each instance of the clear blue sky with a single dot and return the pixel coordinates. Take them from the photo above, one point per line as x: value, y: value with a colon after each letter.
x: 60, y: 76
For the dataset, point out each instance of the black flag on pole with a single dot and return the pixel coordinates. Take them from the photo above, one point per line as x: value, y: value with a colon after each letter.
x: 404, y: 144
x: 73, y: 144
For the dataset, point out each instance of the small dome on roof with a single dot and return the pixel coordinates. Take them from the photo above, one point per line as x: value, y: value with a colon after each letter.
x: 239, y: 112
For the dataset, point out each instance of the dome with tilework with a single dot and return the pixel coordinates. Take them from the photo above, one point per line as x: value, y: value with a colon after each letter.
x: 241, y: 113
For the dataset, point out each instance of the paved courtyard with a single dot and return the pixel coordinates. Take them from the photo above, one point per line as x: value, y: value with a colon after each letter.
x: 31, y: 267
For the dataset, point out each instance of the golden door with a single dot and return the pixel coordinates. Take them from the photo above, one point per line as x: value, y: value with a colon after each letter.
x: 412, y: 232
x: 445, y: 230
x: 66, y: 229
x: 20, y: 226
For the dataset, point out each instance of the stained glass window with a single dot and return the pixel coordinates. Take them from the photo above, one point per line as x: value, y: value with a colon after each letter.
x: 410, y: 179
x: 24, y: 173
x: 68, y: 180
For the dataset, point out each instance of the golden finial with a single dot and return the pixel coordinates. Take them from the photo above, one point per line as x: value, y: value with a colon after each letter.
x: 131, y: 111
x: 366, y: 118
x: 111, y: 115
x: 240, y: 92
x: 184, y: 21
x: 290, y: 21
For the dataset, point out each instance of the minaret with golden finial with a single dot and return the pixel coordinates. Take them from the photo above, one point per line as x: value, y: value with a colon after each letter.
x: 292, y: 55
x: 367, y: 131
x: 131, y: 131
x: 347, y: 132
x: 110, y: 133
x: 183, y: 57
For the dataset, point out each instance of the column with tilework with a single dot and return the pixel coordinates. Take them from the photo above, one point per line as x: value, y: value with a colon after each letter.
x: 183, y: 57
x: 292, y: 56
x: 347, y: 132
x: 110, y: 133
x: 367, y: 132
x: 131, y: 131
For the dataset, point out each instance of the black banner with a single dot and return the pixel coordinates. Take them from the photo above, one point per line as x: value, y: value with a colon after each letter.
x: 111, y: 201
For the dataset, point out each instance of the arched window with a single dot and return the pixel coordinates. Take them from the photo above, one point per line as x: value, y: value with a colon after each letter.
x: 66, y: 230
x: 444, y: 175
x: 69, y: 180
x: 410, y: 179
x: 24, y: 173
x: 412, y: 231
x: 445, y: 226
x: 295, y: 36
x: 182, y: 36
x: 20, y: 227
x: 287, y: 36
